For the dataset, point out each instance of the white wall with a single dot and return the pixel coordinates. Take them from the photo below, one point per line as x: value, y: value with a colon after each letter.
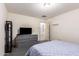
x: 3, y: 16
x: 24, y: 21
x: 65, y: 26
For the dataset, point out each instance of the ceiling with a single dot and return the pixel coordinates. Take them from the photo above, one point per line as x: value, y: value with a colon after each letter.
x: 36, y: 9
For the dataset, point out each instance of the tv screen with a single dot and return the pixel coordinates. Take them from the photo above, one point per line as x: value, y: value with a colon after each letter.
x: 25, y: 30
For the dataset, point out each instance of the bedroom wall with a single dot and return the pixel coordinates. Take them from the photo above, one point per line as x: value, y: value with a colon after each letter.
x: 65, y: 26
x: 3, y: 16
x: 24, y: 21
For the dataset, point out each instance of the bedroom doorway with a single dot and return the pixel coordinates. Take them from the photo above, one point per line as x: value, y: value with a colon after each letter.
x: 44, y: 31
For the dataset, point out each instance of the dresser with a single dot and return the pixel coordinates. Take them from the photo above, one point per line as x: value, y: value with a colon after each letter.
x: 26, y: 41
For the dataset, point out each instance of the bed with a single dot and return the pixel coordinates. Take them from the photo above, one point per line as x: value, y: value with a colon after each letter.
x: 54, y: 48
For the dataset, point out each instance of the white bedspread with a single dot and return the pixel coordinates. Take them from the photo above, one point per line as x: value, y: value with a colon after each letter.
x: 54, y: 48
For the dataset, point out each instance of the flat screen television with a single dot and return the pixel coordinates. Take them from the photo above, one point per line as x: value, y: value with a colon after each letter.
x: 25, y: 30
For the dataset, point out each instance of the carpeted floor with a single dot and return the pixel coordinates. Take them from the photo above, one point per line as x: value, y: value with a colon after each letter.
x: 17, y: 52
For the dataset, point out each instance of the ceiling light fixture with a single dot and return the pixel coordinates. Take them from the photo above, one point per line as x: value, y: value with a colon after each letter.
x: 47, y: 5
x: 44, y: 16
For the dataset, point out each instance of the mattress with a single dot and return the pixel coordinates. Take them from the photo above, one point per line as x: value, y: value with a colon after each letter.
x: 54, y: 48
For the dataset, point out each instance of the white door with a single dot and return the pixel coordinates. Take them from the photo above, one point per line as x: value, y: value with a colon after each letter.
x: 44, y: 31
